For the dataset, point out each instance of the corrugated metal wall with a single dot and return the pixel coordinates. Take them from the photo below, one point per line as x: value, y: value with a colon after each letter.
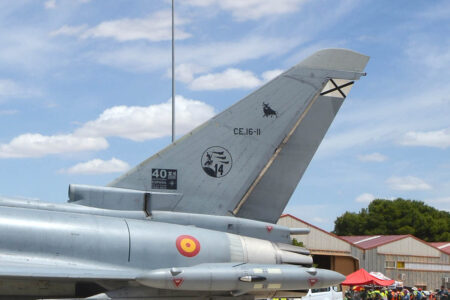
x: 407, y: 250
x: 373, y: 260
x: 409, y: 246
x: 317, y: 239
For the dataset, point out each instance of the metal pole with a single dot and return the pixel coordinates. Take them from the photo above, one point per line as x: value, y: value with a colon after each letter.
x: 173, y: 73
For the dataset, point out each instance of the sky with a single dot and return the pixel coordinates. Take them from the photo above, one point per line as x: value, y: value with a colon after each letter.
x: 85, y: 91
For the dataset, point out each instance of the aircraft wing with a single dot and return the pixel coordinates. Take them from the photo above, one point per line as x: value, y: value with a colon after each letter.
x: 12, y: 266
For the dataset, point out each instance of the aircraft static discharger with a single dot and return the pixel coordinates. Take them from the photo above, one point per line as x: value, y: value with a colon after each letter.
x: 196, y: 220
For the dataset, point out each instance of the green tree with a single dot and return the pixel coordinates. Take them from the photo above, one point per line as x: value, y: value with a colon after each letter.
x: 297, y: 243
x: 399, y: 216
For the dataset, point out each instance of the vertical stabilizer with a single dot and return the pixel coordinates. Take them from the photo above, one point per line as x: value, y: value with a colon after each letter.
x: 248, y: 159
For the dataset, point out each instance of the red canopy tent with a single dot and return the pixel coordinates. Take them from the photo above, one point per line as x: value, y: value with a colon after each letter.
x: 362, y: 277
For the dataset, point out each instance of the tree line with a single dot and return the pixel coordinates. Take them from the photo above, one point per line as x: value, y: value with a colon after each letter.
x: 400, y: 216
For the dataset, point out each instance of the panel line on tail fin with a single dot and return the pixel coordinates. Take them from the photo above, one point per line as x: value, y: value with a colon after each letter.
x: 276, y: 153
x: 302, y: 81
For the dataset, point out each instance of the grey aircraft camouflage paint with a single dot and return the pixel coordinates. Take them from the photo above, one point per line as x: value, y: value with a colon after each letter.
x: 196, y: 220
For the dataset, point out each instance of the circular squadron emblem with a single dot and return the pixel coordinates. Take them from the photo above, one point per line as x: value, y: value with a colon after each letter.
x: 216, y: 161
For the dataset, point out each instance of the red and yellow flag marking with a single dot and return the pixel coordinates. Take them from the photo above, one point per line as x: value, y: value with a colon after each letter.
x: 188, y: 245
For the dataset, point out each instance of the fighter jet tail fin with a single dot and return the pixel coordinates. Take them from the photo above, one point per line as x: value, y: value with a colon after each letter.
x: 247, y: 160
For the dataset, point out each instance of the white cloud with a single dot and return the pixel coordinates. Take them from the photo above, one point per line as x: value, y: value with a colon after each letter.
x: 372, y: 157
x: 69, y: 30
x: 50, y: 4
x: 185, y: 72
x: 271, y: 74
x: 156, y: 27
x: 219, y: 54
x: 38, y: 145
x: 407, y: 183
x: 438, y: 138
x: 200, y: 58
x: 200, y: 2
x: 229, y: 79
x: 435, y: 56
x: 366, y: 122
x: 11, y: 89
x: 134, y: 58
x: 27, y: 47
x: 139, y: 123
x: 251, y: 9
x: 365, y: 198
x: 99, y: 166
x: 436, y: 11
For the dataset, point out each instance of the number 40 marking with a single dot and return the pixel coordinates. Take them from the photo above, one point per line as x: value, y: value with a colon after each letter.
x: 159, y: 173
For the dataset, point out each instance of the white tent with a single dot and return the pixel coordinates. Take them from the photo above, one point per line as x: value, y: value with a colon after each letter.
x: 381, y: 276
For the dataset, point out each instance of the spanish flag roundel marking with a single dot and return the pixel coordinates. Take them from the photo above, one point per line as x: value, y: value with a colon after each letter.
x: 188, y: 245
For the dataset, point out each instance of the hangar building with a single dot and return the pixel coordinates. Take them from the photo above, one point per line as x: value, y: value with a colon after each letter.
x: 401, y: 257
x: 443, y: 246
x: 404, y: 258
x: 329, y: 250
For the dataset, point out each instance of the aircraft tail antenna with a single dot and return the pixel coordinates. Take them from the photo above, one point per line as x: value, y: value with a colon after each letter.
x: 173, y: 73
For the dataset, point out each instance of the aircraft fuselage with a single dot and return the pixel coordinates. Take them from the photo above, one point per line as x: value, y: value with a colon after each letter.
x: 79, y: 242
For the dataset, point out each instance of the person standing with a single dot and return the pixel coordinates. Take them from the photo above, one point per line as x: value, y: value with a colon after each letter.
x: 443, y: 294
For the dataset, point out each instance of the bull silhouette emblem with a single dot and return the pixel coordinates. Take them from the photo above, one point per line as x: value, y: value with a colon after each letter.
x: 268, y: 111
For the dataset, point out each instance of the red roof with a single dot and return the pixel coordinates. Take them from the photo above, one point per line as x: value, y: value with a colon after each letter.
x: 362, y: 277
x: 371, y: 241
x: 443, y: 246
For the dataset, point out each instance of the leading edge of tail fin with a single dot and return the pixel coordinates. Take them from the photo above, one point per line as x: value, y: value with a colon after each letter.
x: 270, y: 192
x: 249, y: 158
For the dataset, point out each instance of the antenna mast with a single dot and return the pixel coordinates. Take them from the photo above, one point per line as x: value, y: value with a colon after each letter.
x: 173, y: 73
